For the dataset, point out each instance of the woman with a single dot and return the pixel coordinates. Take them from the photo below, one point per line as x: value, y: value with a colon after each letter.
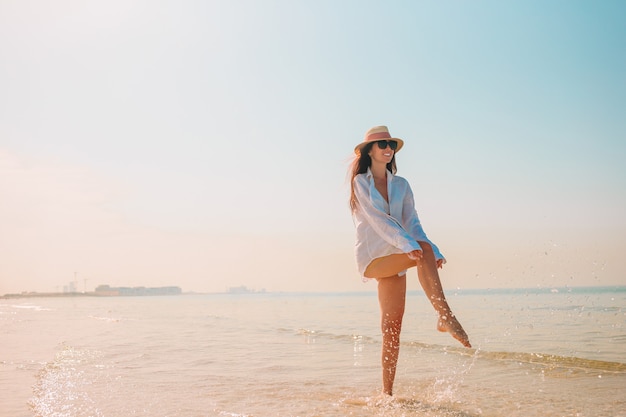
x: 390, y: 239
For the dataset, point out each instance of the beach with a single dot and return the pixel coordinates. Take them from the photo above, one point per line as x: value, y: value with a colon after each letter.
x: 538, y: 352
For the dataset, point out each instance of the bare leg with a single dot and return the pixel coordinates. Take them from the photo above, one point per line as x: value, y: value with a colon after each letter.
x: 392, y: 297
x: 429, y: 279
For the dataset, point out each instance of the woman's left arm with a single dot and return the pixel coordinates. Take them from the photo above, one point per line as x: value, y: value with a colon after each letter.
x: 411, y: 222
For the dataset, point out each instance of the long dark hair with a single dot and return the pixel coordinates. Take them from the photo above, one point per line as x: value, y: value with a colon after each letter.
x: 361, y: 162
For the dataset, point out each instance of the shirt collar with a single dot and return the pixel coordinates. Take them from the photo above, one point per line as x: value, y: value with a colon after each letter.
x: 370, y: 175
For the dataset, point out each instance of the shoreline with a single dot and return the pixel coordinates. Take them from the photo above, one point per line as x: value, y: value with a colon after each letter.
x: 150, y: 292
x: 72, y: 295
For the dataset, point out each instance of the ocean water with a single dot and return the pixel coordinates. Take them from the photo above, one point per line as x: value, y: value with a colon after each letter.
x: 536, y: 353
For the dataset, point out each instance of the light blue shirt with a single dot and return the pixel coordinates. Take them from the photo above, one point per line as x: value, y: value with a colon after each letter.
x: 384, y: 228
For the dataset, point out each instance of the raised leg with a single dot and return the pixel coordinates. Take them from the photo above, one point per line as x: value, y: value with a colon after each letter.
x: 429, y: 279
x: 392, y: 297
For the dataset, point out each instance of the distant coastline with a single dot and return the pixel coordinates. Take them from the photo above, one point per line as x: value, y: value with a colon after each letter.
x: 107, y: 291
x: 245, y: 290
x: 103, y: 291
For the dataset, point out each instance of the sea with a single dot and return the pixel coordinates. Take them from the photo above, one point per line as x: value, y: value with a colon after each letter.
x: 536, y: 352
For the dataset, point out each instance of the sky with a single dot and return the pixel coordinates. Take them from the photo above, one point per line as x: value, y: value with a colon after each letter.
x: 206, y: 144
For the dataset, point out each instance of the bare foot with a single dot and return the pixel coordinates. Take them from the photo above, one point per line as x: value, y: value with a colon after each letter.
x: 381, y: 400
x: 451, y: 325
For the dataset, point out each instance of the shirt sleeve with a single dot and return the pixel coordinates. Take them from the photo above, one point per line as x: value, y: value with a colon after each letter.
x: 388, y: 228
x: 412, y: 222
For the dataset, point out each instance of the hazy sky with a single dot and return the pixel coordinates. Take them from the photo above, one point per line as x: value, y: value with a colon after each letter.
x: 205, y: 144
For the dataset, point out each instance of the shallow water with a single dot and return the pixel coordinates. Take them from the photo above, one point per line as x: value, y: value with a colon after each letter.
x: 536, y: 354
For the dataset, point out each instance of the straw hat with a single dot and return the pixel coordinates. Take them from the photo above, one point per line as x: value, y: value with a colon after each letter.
x: 375, y: 134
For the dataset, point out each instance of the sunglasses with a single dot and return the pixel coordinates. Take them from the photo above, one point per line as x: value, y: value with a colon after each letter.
x: 382, y: 144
